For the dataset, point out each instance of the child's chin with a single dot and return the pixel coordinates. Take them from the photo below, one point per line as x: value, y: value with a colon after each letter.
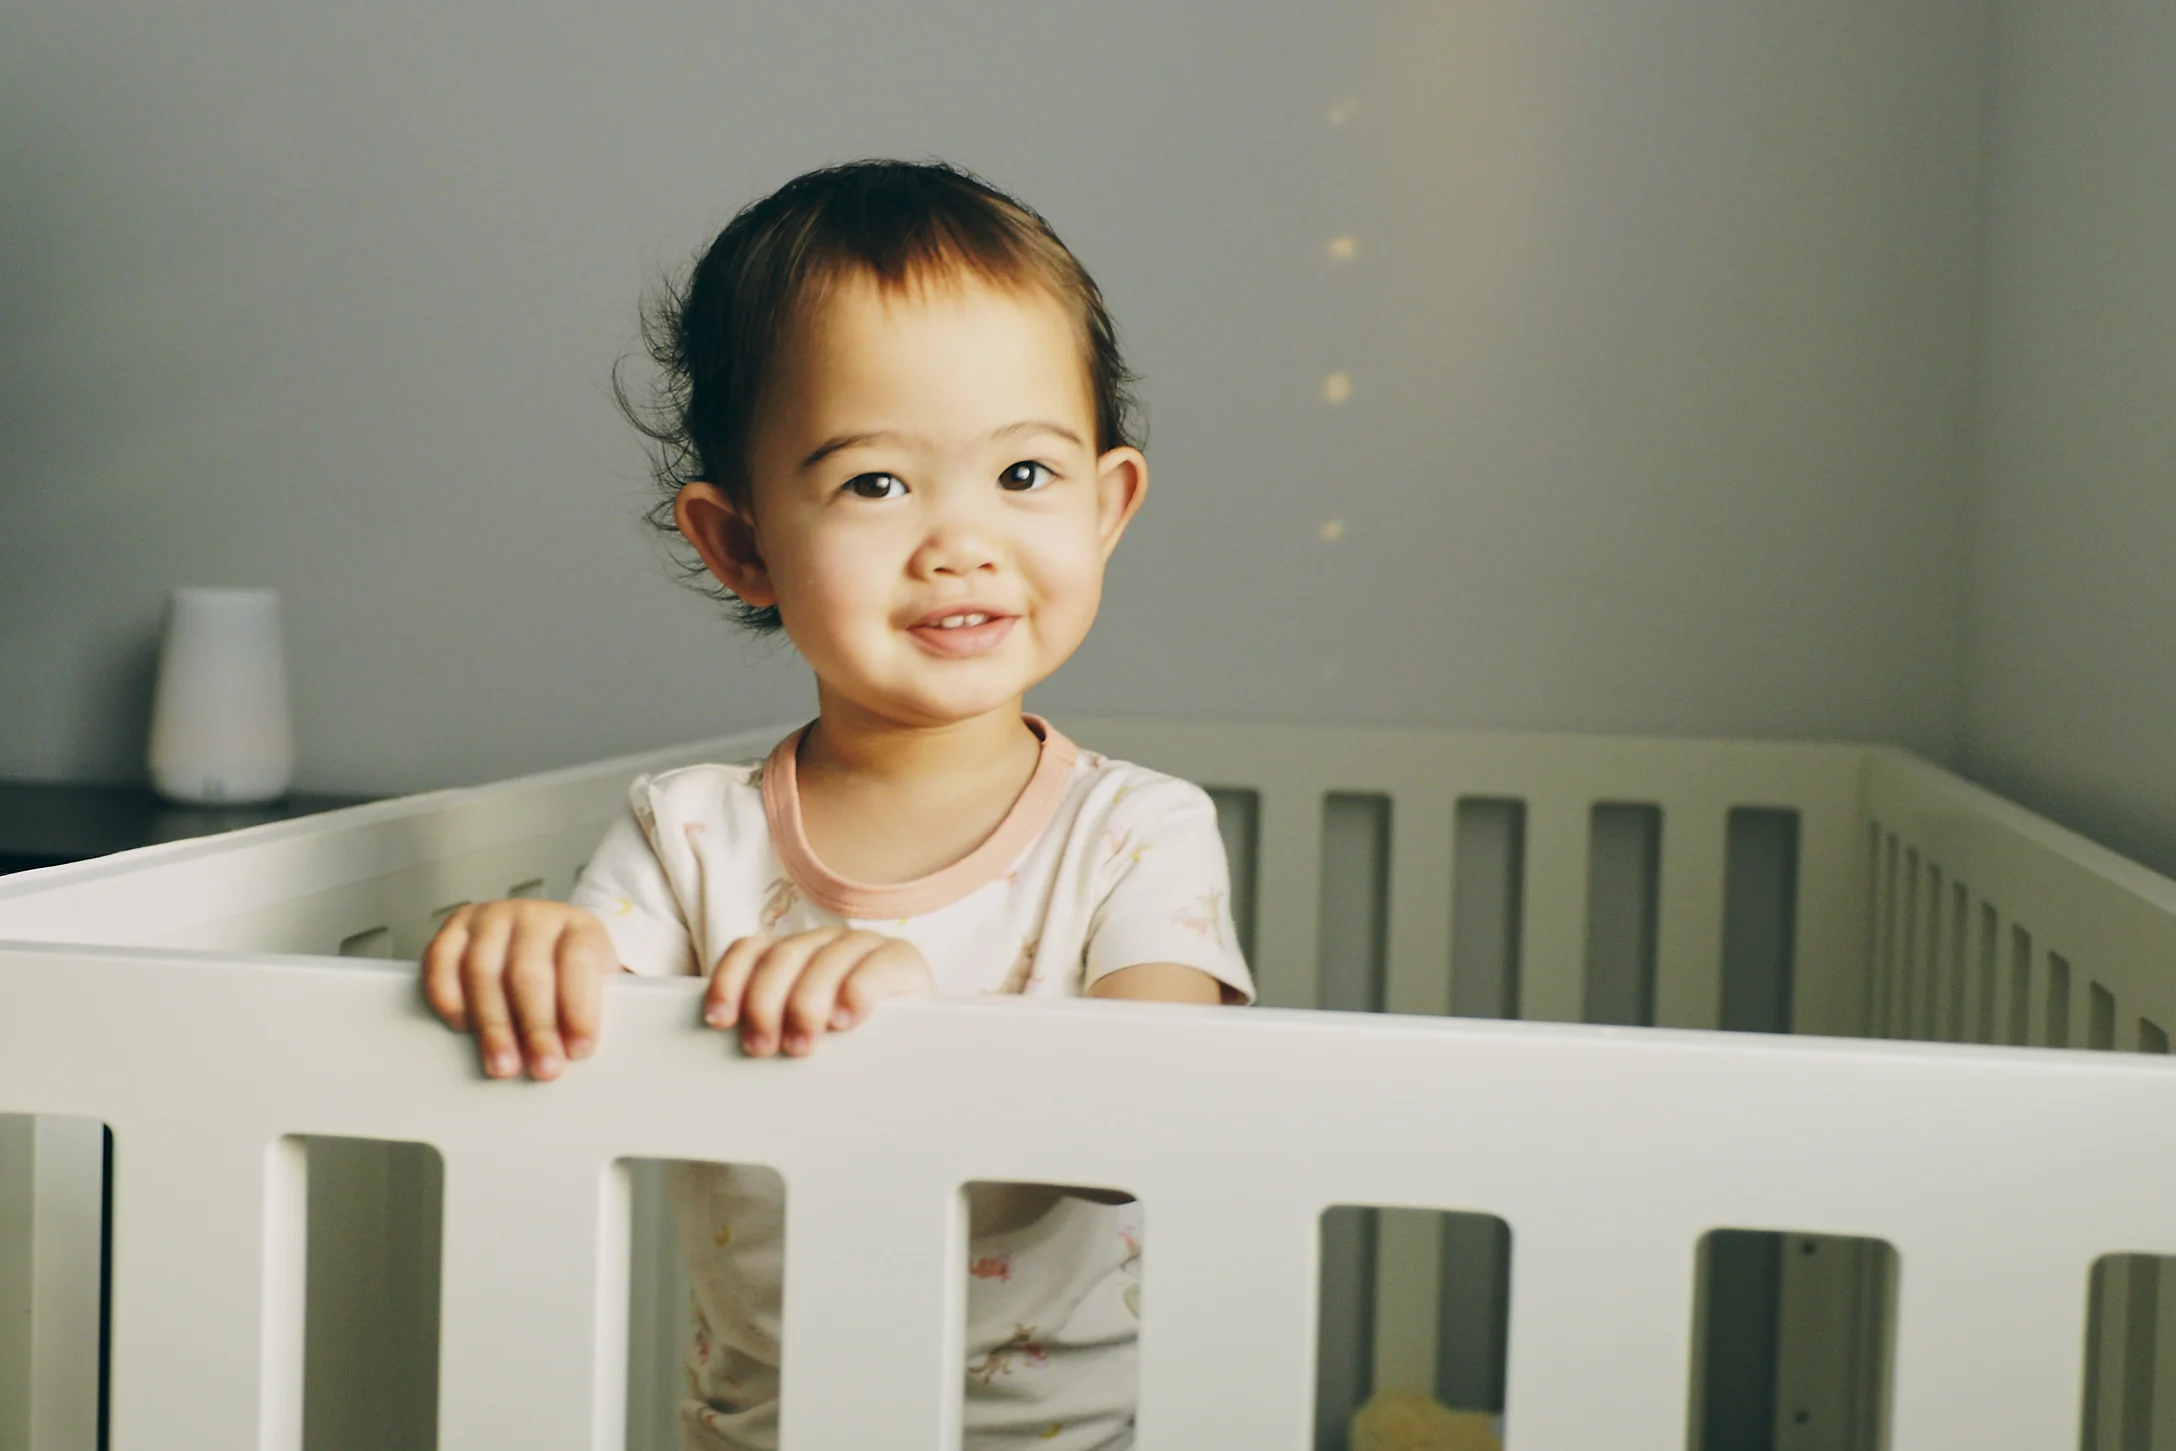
x: 965, y: 702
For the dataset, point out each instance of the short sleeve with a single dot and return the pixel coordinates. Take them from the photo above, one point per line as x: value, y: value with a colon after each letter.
x: 626, y: 887
x: 1165, y: 889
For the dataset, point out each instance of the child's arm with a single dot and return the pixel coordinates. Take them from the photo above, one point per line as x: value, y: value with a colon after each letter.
x: 1162, y: 982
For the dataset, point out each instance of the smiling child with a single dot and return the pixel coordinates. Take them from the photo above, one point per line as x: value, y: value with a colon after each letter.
x: 896, y: 427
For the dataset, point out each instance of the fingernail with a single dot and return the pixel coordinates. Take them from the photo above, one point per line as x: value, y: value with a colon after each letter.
x: 501, y: 1064
x: 549, y: 1065
x: 580, y: 1047
x: 797, y: 1043
x: 843, y: 1018
x: 718, y: 1016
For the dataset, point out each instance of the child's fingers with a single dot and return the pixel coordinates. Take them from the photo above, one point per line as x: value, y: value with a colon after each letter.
x: 483, y: 966
x: 814, y: 994
x: 721, y: 1000
x: 894, y: 970
x: 763, y: 1001
x: 532, y: 987
x: 585, y: 957
x: 442, y: 971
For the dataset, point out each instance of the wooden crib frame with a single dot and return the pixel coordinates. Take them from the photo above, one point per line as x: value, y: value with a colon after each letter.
x: 168, y: 994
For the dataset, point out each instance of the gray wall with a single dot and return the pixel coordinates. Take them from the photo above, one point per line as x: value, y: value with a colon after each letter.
x: 1659, y: 333
x: 2070, y: 702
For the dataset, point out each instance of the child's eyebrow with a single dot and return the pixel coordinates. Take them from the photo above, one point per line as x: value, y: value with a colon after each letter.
x: 833, y: 444
x: 837, y: 442
x: 1037, y: 425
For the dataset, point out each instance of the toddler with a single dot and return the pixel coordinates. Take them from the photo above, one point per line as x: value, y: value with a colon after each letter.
x: 895, y: 425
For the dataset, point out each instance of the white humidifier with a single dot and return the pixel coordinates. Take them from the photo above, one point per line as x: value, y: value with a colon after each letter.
x: 220, y: 727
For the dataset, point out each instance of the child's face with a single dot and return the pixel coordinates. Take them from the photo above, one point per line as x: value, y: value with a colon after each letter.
x: 926, y: 455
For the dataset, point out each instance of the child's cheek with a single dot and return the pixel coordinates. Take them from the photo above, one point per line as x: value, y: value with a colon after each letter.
x: 1073, y: 586
x: 820, y: 599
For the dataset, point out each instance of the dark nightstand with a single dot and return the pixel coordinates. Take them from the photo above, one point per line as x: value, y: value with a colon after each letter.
x: 44, y: 823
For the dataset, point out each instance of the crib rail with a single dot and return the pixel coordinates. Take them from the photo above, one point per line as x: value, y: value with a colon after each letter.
x: 1992, y: 925
x: 1559, y: 780
x: 1609, y: 1153
x: 2059, y: 944
x: 368, y: 881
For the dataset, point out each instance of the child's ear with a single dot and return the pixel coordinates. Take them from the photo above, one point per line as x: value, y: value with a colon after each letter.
x: 1121, y: 485
x: 726, y: 539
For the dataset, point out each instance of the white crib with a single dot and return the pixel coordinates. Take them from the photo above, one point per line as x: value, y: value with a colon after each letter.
x: 189, y: 997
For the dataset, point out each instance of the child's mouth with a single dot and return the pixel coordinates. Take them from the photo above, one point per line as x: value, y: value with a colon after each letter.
x: 962, y: 632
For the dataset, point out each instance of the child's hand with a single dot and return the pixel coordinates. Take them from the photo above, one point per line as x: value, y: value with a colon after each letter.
x: 786, y: 992
x: 526, y: 976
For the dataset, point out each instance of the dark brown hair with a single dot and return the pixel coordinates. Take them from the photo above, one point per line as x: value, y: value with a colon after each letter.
x: 715, y: 338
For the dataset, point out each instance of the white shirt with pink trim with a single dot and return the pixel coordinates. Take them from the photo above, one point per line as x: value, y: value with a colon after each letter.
x: 1100, y: 865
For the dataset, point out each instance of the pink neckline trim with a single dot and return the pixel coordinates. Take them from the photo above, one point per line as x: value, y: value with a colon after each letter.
x: 1037, y: 803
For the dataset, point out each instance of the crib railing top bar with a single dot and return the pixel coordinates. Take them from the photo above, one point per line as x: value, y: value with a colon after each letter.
x: 1511, y: 763
x: 257, y: 865
x: 619, y: 769
x: 1309, y: 738
x: 281, y: 1050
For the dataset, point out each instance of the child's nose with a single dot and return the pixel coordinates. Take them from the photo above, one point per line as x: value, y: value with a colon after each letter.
x: 957, y: 544
x: 957, y: 555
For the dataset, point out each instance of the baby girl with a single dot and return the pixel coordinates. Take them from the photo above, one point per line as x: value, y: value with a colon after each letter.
x: 895, y: 425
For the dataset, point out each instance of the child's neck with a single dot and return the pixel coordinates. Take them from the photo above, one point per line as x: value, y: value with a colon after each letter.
x: 884, y: 802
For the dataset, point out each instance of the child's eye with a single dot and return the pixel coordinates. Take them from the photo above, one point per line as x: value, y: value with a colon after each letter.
x: 875, y: 486
x: 1025, y: 475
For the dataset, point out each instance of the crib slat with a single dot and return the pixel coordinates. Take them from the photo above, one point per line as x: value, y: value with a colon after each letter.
x: 1957, y: 1027
x: 1227, y: 1344
x: 1831, y: 960
x: 195, y: 1281
x: 1552, y: 956
x: 531, y: 1278
x: 1942, y: 959
x: 1885, y: 914
x: 1409, y: 1243
x: 1689, y: 938
x: 1408, y: 1284
x: 2039, y: 1023
x: 1983, y: 1358
x: 1579, y: 1359
x: 1288, y: 896
x: 881, y: 1292
x: 1912, y: 988
x: 1418, y: 954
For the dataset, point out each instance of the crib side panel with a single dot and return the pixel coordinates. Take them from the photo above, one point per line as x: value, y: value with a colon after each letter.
x: 374, y: 886
x: 307, y: 885
x: 2006, y: 928
x: 1237, y: 1130
x: 1559, y: 780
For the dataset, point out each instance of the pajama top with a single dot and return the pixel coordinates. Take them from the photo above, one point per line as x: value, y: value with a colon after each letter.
x: 1099, y: 865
